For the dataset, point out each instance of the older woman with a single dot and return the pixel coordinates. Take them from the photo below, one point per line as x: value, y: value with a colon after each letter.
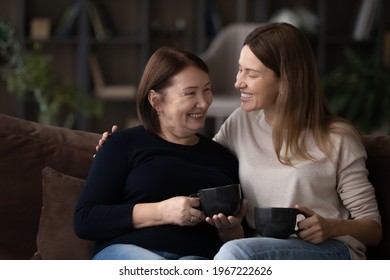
x: 136, y: 202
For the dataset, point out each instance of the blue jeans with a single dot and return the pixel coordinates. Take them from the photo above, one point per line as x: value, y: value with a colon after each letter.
x: 264, y: 248
x: 133, y: 252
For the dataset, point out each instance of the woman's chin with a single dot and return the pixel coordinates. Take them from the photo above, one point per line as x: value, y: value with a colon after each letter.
x: 197, y: 124
x: 247, y: 106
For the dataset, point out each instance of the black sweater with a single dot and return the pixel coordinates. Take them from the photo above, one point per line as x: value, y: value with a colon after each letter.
x: 135, y: 166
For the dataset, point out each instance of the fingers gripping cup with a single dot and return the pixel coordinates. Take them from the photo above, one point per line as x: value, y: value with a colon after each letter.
x: 224, y: 199
x: 276, y: 222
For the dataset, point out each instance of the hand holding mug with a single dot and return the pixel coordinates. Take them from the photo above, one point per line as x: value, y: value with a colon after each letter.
x: 181, y: 210
x: 314, y: 228
x: 230, y: 227
x: 221, y: 222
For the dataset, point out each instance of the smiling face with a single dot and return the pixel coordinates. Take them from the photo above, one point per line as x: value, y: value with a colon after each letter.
x: 182, y: 106
x: 258, y: 85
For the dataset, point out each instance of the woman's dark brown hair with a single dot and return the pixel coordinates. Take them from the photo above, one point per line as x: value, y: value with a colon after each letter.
x: 162, y: 66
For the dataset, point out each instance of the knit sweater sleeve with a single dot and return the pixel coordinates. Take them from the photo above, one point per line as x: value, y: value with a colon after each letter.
x: 99, y: 213
x: 353, y: 186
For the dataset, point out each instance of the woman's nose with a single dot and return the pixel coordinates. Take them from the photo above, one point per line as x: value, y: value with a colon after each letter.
x: 204, y: 101
x: 239, y: 82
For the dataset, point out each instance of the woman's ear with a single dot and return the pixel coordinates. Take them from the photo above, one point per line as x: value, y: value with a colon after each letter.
x: 154, y: 99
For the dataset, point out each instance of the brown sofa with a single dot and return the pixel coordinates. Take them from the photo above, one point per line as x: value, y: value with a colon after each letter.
x: 40, y: 169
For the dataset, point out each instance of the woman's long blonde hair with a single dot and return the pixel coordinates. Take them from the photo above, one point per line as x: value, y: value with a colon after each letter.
x: 301, y: 106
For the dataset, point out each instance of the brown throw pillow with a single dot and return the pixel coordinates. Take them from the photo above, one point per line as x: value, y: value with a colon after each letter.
x: 56, y: 239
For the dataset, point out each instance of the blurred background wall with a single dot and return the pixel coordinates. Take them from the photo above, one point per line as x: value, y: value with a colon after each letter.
x: 121, y: 34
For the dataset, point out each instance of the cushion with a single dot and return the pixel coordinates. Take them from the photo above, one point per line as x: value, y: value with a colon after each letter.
x: 27, y: 147
x: 56, y: 239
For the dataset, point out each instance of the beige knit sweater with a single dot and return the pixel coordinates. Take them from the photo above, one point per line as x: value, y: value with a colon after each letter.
x: 333, y: 190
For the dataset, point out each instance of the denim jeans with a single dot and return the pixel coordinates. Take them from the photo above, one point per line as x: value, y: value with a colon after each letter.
x: 264, y: 248
x: 133, y: 252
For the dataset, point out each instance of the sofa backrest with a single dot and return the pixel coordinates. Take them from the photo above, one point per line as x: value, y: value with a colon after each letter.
x: 378, y: 165
x: 25, y: 149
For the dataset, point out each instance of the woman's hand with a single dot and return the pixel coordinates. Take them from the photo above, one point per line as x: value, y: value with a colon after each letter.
x: 314, y: 228
x: 181, y: 210
x: 229, y: 227
x: 105, y: 136
x: 178, y: 210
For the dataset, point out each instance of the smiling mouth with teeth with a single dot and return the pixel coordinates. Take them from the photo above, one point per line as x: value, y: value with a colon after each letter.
x: 246, y: 96
x: 196, y: 115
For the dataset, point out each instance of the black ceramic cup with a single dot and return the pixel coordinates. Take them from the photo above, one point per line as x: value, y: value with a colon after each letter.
x: 277, y: 222
x: 224, y: 199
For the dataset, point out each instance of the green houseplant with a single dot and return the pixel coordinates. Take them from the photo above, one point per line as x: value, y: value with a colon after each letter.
x: 359, y: 90
x: 30, y: 72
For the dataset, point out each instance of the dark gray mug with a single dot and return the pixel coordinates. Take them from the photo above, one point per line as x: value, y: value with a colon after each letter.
x: 277, y: 222
x: 223, y: 199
